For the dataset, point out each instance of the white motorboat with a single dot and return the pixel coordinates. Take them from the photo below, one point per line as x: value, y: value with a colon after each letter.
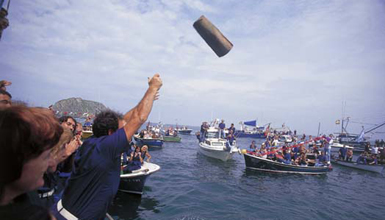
x: 215, y: 147
x: 134, y: 182
x: 360, y: 166
x: 285, y: 138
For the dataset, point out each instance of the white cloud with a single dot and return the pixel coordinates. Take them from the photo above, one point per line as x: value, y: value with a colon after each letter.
x: 292, y: 62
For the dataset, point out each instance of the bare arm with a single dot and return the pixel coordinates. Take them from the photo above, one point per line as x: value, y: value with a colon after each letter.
x: 139, y: 114
x: 131, y: 156
x: 148, y: 156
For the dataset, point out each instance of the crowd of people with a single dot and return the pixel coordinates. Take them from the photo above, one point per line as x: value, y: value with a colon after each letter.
x: 37, y: 149
x: 295, y: 153
x: 372, y: 155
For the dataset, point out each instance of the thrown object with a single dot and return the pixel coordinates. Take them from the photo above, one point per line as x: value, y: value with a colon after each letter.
x: 213, y: 37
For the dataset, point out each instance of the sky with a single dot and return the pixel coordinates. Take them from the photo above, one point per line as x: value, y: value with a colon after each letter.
x: 302, y: 63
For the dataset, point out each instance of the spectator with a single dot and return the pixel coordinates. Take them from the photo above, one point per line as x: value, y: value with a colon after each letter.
x: 222, y: 127
x: 96, y: 174
x: 26, y: 138
x: 50, y: 192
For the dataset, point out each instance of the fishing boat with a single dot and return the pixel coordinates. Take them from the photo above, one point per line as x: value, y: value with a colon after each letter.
x: 249, y: 129
x: 171, y: 138
x: 215, y: 147
x: 134, y: 182
x: 150, y: 142
x: 360, y: 166
x: 184, y: 130
x: 268, y: 165
x: 358, y: 141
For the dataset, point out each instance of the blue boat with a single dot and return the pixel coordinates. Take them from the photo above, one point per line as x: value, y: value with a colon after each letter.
x: 249, y: 129
x: 150, y: 142
x: 267, y: 165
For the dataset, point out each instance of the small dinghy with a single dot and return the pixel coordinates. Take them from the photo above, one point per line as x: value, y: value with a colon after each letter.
x: 134, y: 182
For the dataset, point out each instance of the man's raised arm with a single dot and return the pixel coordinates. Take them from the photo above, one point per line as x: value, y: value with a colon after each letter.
x: 139, y: 114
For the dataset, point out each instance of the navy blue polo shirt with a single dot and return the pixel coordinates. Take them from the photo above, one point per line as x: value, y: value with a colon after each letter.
x: 95, y: 176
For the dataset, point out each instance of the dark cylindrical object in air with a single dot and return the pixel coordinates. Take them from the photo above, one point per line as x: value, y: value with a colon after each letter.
x: 213, y: 37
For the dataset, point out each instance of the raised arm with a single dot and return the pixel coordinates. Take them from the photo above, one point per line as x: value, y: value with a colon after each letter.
x: 139, y: 114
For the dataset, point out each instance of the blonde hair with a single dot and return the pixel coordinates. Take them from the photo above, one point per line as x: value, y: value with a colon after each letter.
x: 145, y: 147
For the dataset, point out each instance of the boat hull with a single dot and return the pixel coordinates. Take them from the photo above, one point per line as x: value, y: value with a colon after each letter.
x: 133, y: 185
x: 151, y: 143
x: 335, y: 147
x: 185, y: 132
x: 262, y: 164
x: 134, y: 182
x: 220, y: 154
x: 171, y: 139
x: 370, y: 168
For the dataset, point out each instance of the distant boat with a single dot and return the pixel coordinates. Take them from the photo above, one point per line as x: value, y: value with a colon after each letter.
x: 150, y: 142
x: 335, y: 147
x: 87, y: 130
x: 184, y: 130
x: 249, y: 129
x: 267, y: 165
x: 215, y: 147
x: 172, y: 138
x: 86, y: 134
x: 134, y: 182
x: 360, y: 166
x: 357, y: 141
x: 285, y: 138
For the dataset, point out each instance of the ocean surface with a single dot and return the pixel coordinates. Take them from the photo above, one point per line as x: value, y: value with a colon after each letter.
x: 191, y: 186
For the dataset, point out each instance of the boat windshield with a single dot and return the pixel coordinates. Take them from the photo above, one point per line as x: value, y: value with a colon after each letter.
x: 212, y: 135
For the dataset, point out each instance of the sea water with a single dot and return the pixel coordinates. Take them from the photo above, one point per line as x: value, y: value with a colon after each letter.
x: 193, y: 186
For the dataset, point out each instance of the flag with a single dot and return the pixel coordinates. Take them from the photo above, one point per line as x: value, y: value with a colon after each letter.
x: 360, y: 138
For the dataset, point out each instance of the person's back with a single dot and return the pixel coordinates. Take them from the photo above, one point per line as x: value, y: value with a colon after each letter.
x: 95, y: 177
x: 342, y: 153
x: 96, y: 173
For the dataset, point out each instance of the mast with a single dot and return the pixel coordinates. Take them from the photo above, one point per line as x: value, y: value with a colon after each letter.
x: 319, y: 127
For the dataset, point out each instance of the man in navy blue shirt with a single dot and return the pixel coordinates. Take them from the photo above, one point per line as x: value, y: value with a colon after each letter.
x: 222, y: 127
x: 232, y: 128
x: 342, y: 153
x: 96, y: 174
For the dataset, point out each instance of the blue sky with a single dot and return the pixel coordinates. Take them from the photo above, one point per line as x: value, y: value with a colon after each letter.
x: 293, y: 62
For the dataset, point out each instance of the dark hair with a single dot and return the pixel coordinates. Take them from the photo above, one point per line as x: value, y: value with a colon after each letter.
x: 5, y: 93
x: 65, y: 119
x: 25, y: 134
x: 105, y: 121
